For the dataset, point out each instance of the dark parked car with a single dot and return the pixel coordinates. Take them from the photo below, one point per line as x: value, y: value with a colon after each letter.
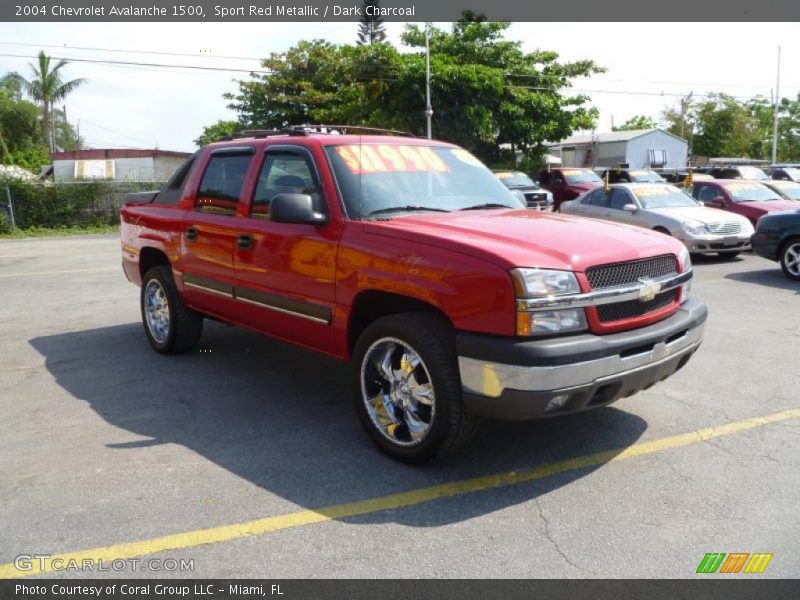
x: 534, y: 196
x: 626, y: 175
x: 750, y: 199
x: 734, y: 172
x: 786, y: 172
x: 777, y: 237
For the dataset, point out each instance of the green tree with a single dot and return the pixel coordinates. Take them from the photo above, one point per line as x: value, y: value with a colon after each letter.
x: 217, y: 131
x: 725, y: 126
x: 370, y: 28
x: 488, y: 94
x: 47, y: 87
x: 637, y: 122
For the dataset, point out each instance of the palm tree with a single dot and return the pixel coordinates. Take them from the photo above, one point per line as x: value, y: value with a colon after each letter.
x: 46, y: 87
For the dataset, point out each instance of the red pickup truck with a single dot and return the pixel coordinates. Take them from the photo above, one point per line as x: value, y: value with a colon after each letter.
x: 409, y: 258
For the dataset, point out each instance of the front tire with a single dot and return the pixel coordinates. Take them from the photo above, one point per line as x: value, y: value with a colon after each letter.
x: 170, y: 326
x: 790, y: 259
x: 408, y: 388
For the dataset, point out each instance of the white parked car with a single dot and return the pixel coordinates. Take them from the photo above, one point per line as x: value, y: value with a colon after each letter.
x: 665, y: 208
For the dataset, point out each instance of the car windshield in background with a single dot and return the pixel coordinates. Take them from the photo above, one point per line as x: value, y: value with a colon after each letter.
x: 750, y: 192
x: 574, y: 176
x: 662, y: 196
x: 752, y: 173
x: 379, y: 179
x: 645, y: 176
x: 515, y: 179
x: 793, y: 173
x: 790, y: 189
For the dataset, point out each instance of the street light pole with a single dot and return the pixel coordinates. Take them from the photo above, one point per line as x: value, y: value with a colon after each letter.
x: 428, y: 108
x: 775, y: 110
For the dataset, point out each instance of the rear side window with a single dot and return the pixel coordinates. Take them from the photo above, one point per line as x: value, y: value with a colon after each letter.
x: 222, y: 184
x: 597, y: 198
x: 173, y: 190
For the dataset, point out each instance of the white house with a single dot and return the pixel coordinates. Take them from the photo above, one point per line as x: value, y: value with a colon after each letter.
x: 639, y: 148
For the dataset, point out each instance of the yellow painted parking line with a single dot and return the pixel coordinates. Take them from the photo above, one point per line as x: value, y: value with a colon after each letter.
x: 95, y: 270
x: 223, y: 533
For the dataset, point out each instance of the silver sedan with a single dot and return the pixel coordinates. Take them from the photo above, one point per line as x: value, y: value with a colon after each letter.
x: 665, y: 208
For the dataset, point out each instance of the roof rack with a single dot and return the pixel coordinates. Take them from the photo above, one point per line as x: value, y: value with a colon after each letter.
x: 304, y: 130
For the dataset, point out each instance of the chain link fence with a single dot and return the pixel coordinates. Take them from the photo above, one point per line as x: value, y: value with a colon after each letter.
x: 26, y: 204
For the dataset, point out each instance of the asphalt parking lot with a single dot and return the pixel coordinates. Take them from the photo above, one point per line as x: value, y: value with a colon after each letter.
x: 247, y: 458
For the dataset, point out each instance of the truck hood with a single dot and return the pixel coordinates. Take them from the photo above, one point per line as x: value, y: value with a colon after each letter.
x: 526, y: 238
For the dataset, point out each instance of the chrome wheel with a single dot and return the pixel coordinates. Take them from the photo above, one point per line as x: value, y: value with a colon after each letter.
x: 156, y: 311
x: 791, y: 259
x: 397, y: 391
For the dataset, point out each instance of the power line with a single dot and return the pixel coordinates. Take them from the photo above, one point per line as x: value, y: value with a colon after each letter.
x: 155, y: 52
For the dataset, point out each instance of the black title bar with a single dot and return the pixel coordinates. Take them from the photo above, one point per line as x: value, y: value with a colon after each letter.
x: 398, y: 10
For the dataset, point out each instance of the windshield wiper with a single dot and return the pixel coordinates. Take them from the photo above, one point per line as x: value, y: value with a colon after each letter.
x: 407, y: 208
x: 487, y: 205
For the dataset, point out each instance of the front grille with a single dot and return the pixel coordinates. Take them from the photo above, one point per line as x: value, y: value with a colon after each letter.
x: 627, y: 273
x: 533, y: 200
x: 724, y: 228
x: 606, y: 276
x: 631, y: 309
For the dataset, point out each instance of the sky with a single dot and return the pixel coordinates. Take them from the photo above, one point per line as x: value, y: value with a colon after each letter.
x: 649, y: 66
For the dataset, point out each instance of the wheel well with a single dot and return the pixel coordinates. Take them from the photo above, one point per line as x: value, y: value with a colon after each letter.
x: 151, y: 257
x: 372, y: 305
x: 662, y: 230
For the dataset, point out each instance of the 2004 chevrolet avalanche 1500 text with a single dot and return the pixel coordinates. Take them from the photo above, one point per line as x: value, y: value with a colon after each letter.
x: 410, y: 259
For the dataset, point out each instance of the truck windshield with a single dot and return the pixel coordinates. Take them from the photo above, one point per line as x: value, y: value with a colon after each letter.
x: 752, y: 173
x: 789, y: 189
x: 382, y: 179
x: 751, y: 192
x: 574, y: 176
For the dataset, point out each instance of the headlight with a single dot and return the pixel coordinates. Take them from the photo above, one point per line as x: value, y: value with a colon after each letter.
x: 548, y: 322
x: 685, y: 259
x: 540, y: 283
x: 536, y: 283
x: 695, y: 228
x: 686, y: 264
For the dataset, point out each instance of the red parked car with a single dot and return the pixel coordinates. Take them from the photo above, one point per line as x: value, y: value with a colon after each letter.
x: 568, y: 184
x: 410, y: 259
x: 747, y: 198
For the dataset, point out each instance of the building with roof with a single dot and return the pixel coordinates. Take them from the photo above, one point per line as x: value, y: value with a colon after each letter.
x: 639, y: 148
x: 116, y: 164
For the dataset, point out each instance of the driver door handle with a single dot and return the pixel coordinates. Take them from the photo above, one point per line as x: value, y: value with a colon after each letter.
x: 191, y: 234
x: 244, y: 241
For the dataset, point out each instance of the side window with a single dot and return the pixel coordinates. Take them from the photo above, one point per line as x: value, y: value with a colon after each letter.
x: 599, y: 198
x: 558, y: 179
x: 222, y: 183
x: 284, y: 172
x: 618, y: 199
x: 172, y: 191
x: 707, y: 193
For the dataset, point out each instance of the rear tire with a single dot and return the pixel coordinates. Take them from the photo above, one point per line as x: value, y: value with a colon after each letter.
x: 790, y: 258
x: 408, y: 388
x: 170, y: 326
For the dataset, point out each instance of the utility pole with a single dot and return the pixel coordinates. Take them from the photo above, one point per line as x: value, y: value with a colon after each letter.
x: 428, y: 108
x: 775, y: 110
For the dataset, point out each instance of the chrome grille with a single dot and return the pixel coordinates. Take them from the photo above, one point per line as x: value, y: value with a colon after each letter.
x: 724, y: 228
x: 633, y: 308
x: 606, y: 276
x: 533, y: 200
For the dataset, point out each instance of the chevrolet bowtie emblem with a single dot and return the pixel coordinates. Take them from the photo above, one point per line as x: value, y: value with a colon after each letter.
x: 649, y: 289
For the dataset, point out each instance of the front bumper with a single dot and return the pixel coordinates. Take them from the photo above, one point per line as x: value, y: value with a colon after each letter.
x: 513, y: 379
x: 717, y: 243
